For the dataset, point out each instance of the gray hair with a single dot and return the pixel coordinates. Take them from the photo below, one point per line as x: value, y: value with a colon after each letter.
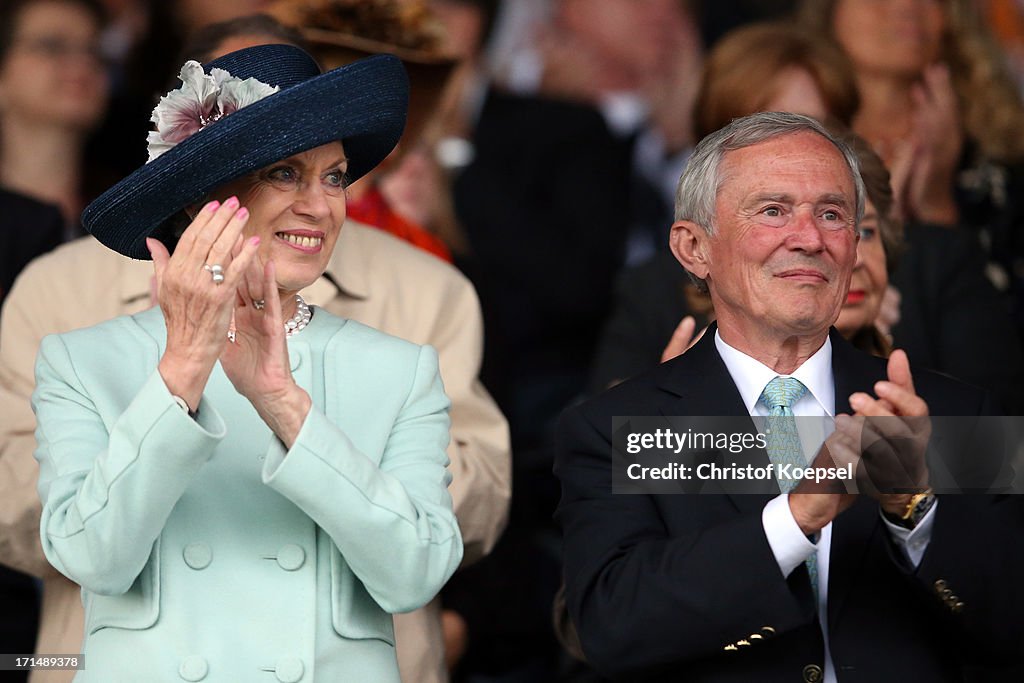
x: 700, y: 182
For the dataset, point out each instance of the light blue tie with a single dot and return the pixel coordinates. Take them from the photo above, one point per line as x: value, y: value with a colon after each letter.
x: 783, y: 441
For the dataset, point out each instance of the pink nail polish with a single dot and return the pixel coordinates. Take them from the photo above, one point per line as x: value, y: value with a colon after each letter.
x: 242, y: 213
x: 213, y: 206
x: 254, y: 241
x: 231, y: 203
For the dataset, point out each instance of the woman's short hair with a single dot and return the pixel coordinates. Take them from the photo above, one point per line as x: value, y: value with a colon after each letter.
x: 742, y: 74
x: 991, y: 106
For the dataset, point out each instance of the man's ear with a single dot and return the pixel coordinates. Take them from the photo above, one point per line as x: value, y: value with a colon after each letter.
x: 689, y: 243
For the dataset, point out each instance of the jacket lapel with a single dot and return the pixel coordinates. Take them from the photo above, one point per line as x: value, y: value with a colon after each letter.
x: 852, y: 371
x: 698, y: 383
x: 853, y: 530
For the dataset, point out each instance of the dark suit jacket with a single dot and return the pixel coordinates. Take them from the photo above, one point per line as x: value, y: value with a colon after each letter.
x: 659, y: 586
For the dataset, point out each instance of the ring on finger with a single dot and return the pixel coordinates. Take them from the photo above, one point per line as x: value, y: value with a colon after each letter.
x: 216, y: 272
x: 259, y: 304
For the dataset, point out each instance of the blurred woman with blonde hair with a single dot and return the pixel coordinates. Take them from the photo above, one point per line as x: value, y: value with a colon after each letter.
x: 938, y: 103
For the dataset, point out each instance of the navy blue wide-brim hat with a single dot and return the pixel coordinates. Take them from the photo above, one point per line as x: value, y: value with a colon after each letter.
x: 362, y: 104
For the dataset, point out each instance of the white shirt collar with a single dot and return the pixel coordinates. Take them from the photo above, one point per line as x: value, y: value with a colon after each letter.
x: 751, y: 376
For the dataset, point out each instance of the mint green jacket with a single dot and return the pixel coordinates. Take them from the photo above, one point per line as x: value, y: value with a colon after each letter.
x: 205, y: 551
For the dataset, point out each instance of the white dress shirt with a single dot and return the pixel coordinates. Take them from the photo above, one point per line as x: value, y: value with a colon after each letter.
x: 788, y: 543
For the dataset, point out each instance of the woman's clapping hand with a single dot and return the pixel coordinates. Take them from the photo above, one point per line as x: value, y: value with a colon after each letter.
x: 196, y: 290
x: 257, y: 361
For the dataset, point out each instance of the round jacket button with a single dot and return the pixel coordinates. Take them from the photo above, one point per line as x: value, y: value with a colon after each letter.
x: 812, y: 673
x: 193, y: 668
x: 291, y: 557
x: 198, y: 555
x: 289, y: 670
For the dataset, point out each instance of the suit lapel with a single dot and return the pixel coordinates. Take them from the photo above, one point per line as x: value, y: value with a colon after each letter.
x: 698, y: 383
x: 853, y: 530
x: 852, y: 371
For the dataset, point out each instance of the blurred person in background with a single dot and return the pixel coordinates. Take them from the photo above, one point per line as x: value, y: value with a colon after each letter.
x: 773, y: 66
x: 53, y: 93
x: 410, y: 195
x: 546, y: 202
x: 1006, y: 17
x: 28, y: 228
x: 578, y: 106
x: 644, y: 88
x: 419, y: 185
x: 878, y: 253
x: 939, y: 307
x: 940, y: 107
x: 143, y: 44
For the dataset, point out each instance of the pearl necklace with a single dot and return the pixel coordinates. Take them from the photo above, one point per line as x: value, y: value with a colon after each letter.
x: 302, y: 316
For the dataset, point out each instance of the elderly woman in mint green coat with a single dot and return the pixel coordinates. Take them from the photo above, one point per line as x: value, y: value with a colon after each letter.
x: 245, y: 488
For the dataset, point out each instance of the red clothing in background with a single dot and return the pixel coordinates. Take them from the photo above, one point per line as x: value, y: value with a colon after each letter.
x: 372, y: 209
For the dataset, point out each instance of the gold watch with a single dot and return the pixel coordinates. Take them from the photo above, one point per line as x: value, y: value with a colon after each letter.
x: 917, y: 507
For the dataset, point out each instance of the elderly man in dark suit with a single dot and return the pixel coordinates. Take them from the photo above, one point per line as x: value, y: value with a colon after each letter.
x: 813, y: 584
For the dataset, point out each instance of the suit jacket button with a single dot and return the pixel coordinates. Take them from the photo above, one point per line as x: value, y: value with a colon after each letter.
x: 291, y: 557
x: 198, y: 556
x: 768, y: 631
x: 289, y: 670
x: 957, y: 607
x: 193, y: 668
x: 940, y: 586
x: 812, y: 673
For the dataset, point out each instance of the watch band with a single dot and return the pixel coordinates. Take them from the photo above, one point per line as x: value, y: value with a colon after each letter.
x: 917, y: 507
